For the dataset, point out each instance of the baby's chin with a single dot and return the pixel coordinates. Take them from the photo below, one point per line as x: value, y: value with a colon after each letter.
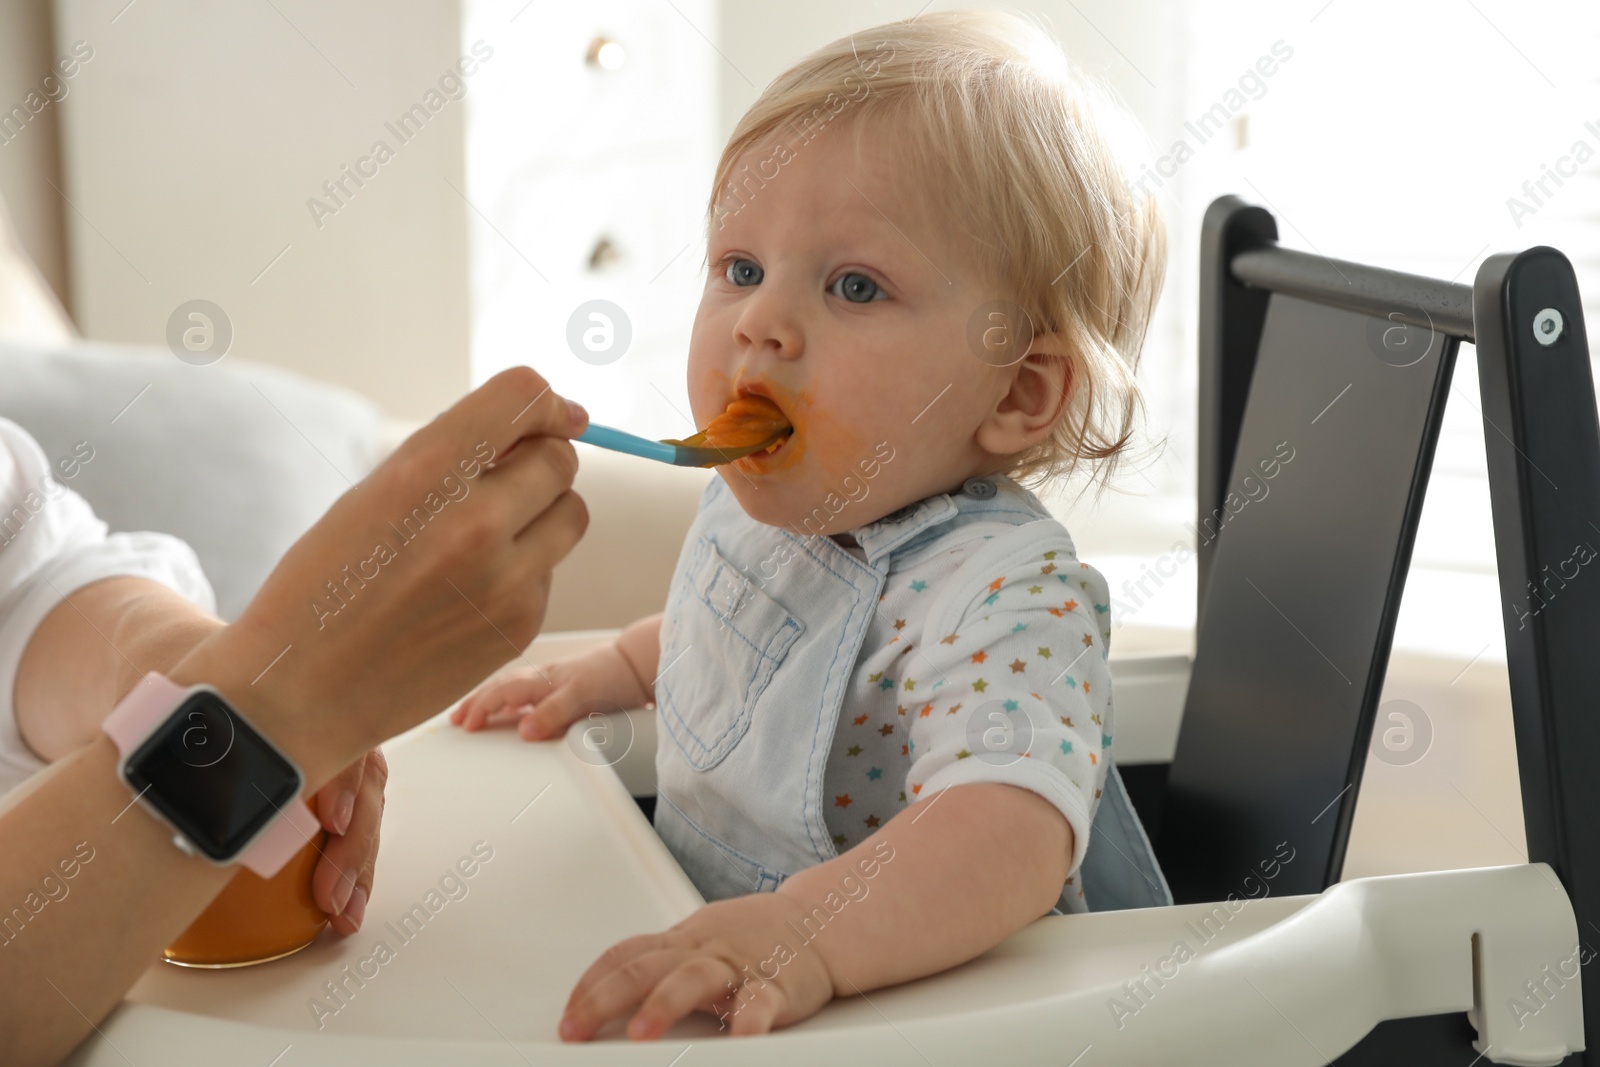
x: 804, y: 508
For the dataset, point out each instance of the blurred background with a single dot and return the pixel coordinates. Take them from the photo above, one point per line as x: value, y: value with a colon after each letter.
x: 402, y: 198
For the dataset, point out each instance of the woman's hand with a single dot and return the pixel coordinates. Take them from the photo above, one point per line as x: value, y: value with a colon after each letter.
x: 545, y: 700
x: 739, y: 959
x: 419, y: 581
x: 350, y: 808
x: 344, y: 646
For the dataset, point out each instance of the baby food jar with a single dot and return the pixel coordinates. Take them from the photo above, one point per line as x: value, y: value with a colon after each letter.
x: 255, y: 919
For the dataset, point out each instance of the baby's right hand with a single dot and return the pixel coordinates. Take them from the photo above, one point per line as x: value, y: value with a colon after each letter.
x: 546, y: 699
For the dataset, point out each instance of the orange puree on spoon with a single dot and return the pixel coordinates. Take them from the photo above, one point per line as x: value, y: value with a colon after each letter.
x: 748, y: 421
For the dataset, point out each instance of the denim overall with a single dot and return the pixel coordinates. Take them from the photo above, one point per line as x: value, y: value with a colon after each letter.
x: 741, y: 808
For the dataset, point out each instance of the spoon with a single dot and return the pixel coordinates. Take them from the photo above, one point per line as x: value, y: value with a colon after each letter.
x: 679, y: 454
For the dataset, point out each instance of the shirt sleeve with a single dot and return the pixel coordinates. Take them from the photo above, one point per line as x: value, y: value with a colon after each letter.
x: 51, y: 544
x: 1018, y: 645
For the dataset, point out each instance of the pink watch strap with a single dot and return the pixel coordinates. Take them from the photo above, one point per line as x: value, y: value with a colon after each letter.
x: 146, y: 707
x: 293, y: 829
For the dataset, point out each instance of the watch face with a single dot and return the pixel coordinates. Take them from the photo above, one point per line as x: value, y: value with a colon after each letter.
x: 212, y: 775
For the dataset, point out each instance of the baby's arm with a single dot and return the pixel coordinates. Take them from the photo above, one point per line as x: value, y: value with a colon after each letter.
x: 545, y: 699
x: 640, y: 645
x: 948, y: 886
x: 940, y: 887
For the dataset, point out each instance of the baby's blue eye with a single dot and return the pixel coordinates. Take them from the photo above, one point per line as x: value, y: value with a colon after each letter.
x: 857, y: 288
x: 744, y: 272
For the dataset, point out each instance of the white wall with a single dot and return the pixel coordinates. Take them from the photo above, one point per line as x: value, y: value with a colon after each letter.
x: 192, y: 143
x: 621, y: 162
x: 29, y: 148
x: 760, y: 39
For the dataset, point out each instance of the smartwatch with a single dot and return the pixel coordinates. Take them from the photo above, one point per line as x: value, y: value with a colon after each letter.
x: 198, y: 764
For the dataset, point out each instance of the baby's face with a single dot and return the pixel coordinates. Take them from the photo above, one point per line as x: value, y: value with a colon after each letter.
x: 830, y: 293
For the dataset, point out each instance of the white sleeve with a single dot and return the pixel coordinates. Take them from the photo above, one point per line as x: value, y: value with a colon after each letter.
x: 51, y: 544
x: 1023, y: 696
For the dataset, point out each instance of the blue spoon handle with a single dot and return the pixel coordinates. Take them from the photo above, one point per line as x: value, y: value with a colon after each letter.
x: 620, y: 441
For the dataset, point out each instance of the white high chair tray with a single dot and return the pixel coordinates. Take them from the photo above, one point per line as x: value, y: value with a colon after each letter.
x: 481, y: 976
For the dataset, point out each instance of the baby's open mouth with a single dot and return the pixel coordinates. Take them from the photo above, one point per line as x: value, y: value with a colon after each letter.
x: 746, y: 422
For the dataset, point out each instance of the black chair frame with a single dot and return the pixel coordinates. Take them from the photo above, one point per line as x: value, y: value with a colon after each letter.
x: 1299, y: 593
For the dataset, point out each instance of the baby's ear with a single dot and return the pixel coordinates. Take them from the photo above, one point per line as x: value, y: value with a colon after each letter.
x: 1039, y: 387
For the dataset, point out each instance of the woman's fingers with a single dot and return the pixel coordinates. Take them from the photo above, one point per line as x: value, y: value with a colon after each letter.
x: 513, y: 405
x: 342, y: 882
x: 546, y: 540
x: 336, y: 801
x: 533, y: 476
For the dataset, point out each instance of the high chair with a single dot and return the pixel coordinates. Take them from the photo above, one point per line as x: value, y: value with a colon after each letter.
x: 1265, y: 959
x: 1349, y: 365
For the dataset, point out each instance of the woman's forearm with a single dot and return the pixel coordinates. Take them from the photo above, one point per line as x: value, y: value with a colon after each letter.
x: 68, y: 952
x: 945, y: 885
x: 81, y: 855
x: 91, y: 649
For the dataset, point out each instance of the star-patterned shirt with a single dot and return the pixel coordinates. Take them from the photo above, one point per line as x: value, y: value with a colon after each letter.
x: 986, y: 661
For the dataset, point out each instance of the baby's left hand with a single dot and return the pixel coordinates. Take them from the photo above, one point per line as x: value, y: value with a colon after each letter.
x: 699, y: 964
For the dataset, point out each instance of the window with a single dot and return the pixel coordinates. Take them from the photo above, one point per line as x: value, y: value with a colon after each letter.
x: 1422, y: 136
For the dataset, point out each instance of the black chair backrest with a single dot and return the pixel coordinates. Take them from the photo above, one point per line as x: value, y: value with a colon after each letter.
x: 1305, y: 548
x: 1302, y: 561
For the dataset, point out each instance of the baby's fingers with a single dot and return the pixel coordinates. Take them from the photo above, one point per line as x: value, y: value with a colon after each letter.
x: 701, y: 981
x: 550, y: 717
x: 610, y: 995
x: 475, y: 715
x: 464, y: 710
x: 507, y: 691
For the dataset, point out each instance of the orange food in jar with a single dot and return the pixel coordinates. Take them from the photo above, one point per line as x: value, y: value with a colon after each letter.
x: 256, y: 919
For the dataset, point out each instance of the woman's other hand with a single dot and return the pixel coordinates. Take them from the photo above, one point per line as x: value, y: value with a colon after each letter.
x: 350, y: 808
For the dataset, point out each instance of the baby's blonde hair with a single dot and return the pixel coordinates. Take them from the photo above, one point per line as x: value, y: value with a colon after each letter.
x: 1030, y: 158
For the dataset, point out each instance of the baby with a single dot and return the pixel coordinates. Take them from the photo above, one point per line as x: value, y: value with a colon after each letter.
x: 885, y: 710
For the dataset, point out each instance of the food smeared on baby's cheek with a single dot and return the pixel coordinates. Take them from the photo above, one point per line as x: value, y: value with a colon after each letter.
x: 830, y: 446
